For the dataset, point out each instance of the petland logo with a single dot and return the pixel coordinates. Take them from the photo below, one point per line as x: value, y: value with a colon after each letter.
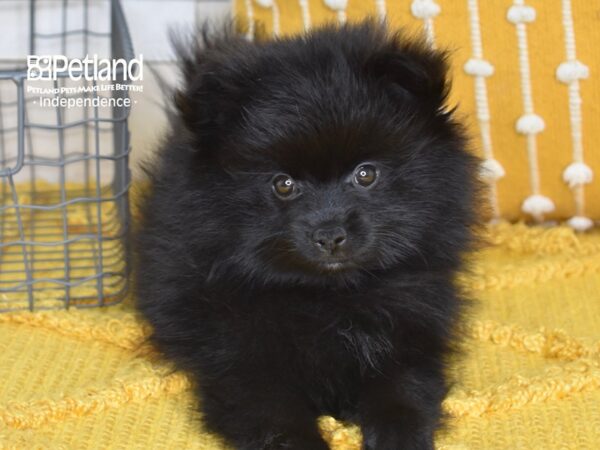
x: 50, y: 67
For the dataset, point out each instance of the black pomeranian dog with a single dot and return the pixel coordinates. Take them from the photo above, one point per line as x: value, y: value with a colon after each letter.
x: 309, y: 210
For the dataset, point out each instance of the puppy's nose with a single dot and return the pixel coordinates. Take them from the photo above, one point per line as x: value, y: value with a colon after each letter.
x: 328, y: 240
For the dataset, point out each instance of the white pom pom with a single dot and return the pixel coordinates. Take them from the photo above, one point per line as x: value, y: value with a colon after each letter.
x: 425, y: 9
x: 577, y: 173
x: 537, y: 205
x: 478, y: 67
x: 580, y: 223
x: 530, y: 124
x: 265, y: 3
x: 483, y: 116
x: 570, y: 71
x: 337, y: 5
x: 491, y: 169
x: 521, y: 14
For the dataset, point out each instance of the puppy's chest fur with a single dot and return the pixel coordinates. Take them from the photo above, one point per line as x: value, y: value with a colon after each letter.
x: 358, y: 340
x: 333, y: 347
x: 323, y: 335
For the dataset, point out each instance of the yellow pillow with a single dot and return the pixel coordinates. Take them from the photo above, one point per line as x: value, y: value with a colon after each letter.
x: 519, y: 72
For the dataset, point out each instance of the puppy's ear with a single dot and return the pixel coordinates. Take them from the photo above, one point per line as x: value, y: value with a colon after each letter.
x: 412, y: 66
x: 214, y: 88
x: 209, y: 106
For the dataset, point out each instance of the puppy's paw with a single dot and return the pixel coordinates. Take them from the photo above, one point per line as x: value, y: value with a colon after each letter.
x: 297, y: 442
x: 396, y: 437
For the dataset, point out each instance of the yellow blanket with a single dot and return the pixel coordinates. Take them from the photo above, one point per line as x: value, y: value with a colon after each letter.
x: 85, y: 380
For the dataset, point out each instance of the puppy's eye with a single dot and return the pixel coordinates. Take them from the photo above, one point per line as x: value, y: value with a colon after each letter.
x: 365, y: 175
x: 284, y: 186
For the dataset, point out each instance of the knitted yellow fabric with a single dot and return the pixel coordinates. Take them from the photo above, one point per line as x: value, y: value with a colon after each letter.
x: 492, y: 97
x: 84, y: 379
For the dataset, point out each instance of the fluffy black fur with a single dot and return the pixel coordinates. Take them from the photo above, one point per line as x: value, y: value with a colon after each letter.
x: 340, y: 298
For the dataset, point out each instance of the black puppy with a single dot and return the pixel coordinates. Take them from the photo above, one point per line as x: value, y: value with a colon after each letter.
x: 308, y: 213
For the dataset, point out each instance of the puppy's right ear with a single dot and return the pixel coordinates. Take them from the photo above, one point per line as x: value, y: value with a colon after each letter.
x: 215, y: 83
x: 209, y: 107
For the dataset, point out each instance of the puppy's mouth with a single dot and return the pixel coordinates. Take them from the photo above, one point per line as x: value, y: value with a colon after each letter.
x: 335, y: 266
x: 289, y: 255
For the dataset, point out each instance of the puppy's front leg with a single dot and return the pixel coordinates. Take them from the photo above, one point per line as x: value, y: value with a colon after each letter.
x: 259, y: 416
x: 402, y: 409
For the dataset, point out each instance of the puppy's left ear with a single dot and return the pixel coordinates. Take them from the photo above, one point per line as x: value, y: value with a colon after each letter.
x: 411, y: 66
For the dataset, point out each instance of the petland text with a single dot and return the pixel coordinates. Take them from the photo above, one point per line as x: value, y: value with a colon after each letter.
x: 50, y: 67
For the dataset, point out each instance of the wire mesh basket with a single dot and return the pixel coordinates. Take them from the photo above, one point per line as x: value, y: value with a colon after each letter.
x: 64, y: 175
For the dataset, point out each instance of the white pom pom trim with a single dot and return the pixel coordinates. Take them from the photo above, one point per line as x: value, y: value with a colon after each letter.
x: 530, y: 124
x: 483, y: 116
x: 425, y: 9
x: 491, y: 169
x: 570, y: 71
x: 577, y: 174
x: 265, y: 3
x: 478, y: 67
x: 537, y: 205
x: 580, y: 223
x: 337, y: 5
x: 521, y: 14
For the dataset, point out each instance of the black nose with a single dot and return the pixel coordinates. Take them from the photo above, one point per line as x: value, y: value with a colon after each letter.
x: 328, y: 240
